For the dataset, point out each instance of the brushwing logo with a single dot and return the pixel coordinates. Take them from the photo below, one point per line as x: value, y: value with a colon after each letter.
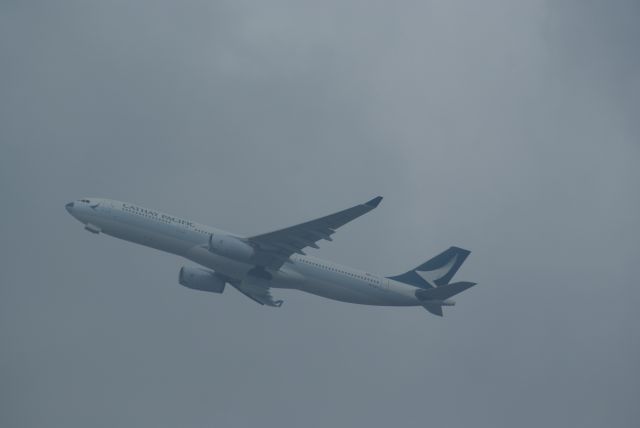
x: 431, y: 276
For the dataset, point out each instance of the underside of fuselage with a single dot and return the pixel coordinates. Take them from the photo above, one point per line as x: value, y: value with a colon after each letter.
x: 294, y: 276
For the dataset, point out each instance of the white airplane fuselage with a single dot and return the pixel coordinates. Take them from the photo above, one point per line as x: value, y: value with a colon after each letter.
x: 190, y: 240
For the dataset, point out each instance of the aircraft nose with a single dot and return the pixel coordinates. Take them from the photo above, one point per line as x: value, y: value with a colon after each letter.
x: 69, y: 206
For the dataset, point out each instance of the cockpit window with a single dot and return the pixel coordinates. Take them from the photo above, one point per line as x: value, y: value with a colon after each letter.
x: 84, y: 200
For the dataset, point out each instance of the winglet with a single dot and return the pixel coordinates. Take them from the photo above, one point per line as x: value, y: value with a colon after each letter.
x: 374, y: 202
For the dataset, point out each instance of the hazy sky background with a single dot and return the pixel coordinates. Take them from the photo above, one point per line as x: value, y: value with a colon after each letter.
x: 509, y: 128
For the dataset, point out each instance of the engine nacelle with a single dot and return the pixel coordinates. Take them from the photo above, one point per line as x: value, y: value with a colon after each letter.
x: 200, y: 279
x: 231, y: 247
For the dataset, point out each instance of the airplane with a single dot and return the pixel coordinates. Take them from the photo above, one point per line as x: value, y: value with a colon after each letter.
x: 256, y: 264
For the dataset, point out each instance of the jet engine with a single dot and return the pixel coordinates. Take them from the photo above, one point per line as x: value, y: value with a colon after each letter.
x: 231, y: 247
x: 200, y: 279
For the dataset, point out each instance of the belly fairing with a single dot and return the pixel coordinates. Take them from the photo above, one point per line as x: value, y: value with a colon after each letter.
x: 201, y: 255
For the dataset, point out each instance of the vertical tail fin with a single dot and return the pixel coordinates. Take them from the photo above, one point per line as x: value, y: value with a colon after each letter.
x: 436, y: 271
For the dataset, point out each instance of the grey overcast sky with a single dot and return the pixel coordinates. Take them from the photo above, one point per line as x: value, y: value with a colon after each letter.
x: 509, y: 128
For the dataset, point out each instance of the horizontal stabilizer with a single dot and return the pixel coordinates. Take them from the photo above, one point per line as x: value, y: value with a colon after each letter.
x: 434, y: 308
x: 444, y: 292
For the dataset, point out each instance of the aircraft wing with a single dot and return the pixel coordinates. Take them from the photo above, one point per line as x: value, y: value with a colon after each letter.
x: 257, y: 290
x: 275, y: 248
